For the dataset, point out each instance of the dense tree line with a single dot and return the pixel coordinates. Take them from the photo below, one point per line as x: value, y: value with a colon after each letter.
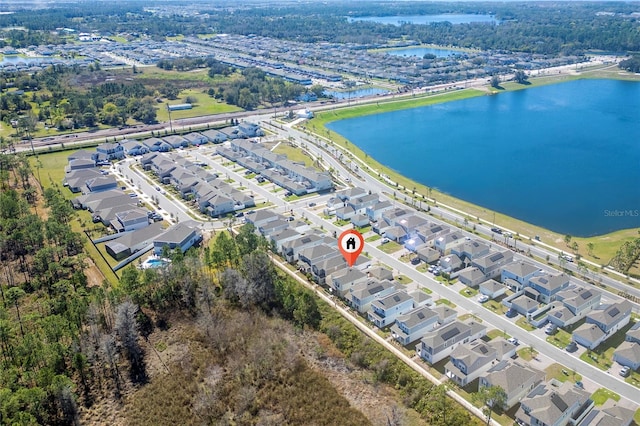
x: 550, y: 28
x: 63, y: 106
x: 632, y: 64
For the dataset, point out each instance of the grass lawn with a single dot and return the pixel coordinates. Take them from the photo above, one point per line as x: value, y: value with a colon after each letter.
x: 602, y: 356
x: 496, y: 307
x: 341, y: 222
x: 561, y: 339
x: 372, y: 238
x: 293, y: 153
x: 390, y: 247
x: 600, y: 396
x: 426, y: 290
x: 492, y: 334
x: 423, y: 267
x: 555, y: 371
x: 363, y: 229
x: 446, y: 302
x: 51, y: 169
x: 523, y: 323
x: 404, y: 280
x: 527, y: 353
x: 468, y: 292
x: 205, y: 105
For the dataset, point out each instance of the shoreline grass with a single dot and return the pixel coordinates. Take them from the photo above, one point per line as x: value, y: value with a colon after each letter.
x: 604, y: 246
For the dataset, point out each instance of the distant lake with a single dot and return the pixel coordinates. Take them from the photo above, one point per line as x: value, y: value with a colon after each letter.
x: 12, y: 60
x: 427, y: 19
x: 565, y: 157
x: 421, y: 51
x: 357, y: 93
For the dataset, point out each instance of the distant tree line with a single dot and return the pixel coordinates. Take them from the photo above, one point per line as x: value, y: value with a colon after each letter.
x: 558, y: 28
x: 632, y: 64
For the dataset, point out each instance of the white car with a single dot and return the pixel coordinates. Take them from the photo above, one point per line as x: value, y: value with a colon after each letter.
x: 513, y: 341
x: 483, y: 298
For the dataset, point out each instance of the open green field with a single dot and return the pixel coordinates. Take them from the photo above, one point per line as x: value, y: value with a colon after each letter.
x: 293, y: 153
x: 605, y: 246
x: 205, y: 105
x: 601, y: 396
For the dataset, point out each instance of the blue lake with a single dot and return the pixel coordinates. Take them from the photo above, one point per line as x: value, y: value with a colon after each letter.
x: 565, y: 157
x: 421, y: 51
x: 357, y: 93
x: 427, y: 19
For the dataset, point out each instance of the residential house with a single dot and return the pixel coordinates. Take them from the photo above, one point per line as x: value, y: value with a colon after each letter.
x: 520, y: 271
x: 363, y: 294
x: 445, y: 243
x: 628, y: 354
x: 176, y: 141
x: 215, y: 136
x: 549, y: 285
x: 572, y: 305
x: 633, y: 335
x: 79, y: 164
x: 76, y: 180
x: 430, y: 233
x: 491, y: 263
x: 375, y: 211
x: 291, y: 249
x: 345, y: 213
x: 251, y: 130
x: 259, y: 217
x: 588, y: 335
x: 611, y: 318
x: 468, y: 361
x: 395, y: 233
x: 440, y: 343
x: 278, y: 239
x: 110, y: 151
x: 471, y: 276
x: 181, y: 236
x: 446, y: 315
x: 609, y: 414
x: 133, y: 147
x: 413, y: 325
x: 362, y: 203
x: 218, y: 205
x: 427, y: 254
x: 385, y: 310
x: 450, y: 263
x: 82, y: 154
x: 410, y: 223
x: 349, y: 193
x: 157, y: 145
x: 130, y: 220
x: 468, y: 250
x: 100, y: 183
x: 312, y: 255
x: 131, y: 242
x: 517, y: 380
x: 492, y: 288
x: 554, y: 405
x: 195, y: 138
x: 343, y: 281
x: 380, y: 273
x: 420, y: 298
x: 360, y: 220
x: 333, y: 264
x: 524, y: 304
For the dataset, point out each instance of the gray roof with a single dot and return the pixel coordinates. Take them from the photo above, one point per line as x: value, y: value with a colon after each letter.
x: 548, y: 404
x: 348, y: 276
x: 416, y: 316
x: 525, y: 302
x: 520, y: 268
x: 629, y: 350
x: 492, y: 285
x: 634, y: 332
x: 589, y: 332
x: 471, y: 273
x: 371, y: 288
x: 444, y: 312
x: 511, y: 375
x: 394, y: 299
x: 130, y: 239
x: 175, y: 234
x: 612, y: 313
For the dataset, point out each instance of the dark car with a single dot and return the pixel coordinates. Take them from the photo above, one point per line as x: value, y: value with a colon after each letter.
x: 415, y: 261
x: 511, y: 313
x: 571, y: 347
x: 496, y: 230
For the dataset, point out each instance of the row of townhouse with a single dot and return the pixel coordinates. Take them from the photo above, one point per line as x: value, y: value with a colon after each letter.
x: 213, y: 195
x: 290, y: 175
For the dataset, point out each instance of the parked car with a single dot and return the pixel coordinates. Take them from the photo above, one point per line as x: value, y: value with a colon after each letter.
x: 567, y: 258
x: 312, y: 204
x: 571, y: 347
x: 415, y: 261
x: 513, y: 341
x: 511, y: 313
x: 625, y: 371
x: 496, y: 230
x: 579, y: 385
x: 483, y: 298
x: 551, y: 329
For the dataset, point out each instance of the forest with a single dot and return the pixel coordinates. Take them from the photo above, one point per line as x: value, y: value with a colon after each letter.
x: 538, y: 27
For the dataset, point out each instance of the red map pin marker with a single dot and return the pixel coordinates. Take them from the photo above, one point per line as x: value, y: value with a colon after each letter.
x: 350, y: 243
